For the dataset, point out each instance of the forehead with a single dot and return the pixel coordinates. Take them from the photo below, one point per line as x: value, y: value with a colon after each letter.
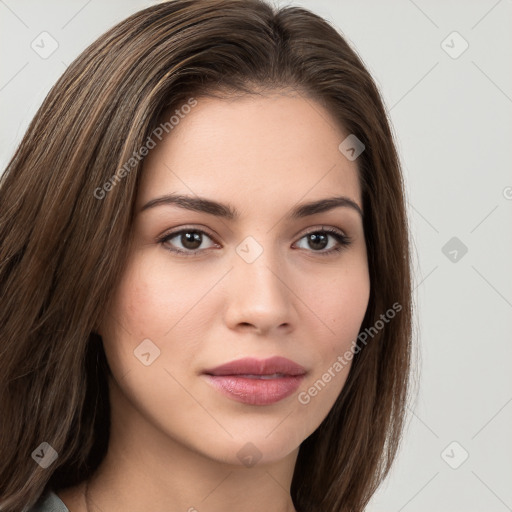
x: 251, y: 148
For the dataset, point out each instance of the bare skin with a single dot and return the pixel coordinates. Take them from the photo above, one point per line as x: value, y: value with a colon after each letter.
x: 175, y: 440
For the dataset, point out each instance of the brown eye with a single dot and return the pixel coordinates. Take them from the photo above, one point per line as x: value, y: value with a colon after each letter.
x: 319, y: 240
x: 190, y: 240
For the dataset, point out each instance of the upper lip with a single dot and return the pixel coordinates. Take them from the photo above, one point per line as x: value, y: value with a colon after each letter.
x: 252, y: 366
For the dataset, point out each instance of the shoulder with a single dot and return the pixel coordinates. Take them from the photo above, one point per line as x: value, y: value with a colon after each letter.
x: 49, y: 502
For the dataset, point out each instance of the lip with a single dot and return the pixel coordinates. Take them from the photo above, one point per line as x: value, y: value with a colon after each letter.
x: 252, y: 366
x: 256, y: 382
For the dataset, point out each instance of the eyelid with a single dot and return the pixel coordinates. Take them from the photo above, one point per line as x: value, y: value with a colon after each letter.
x: 324, y: 228
x: 196, y: 227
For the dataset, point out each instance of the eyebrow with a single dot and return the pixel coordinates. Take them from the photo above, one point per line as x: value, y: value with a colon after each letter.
x: 226, y: 211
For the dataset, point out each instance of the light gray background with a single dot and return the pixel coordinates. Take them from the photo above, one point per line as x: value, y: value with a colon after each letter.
x: 452, y: 119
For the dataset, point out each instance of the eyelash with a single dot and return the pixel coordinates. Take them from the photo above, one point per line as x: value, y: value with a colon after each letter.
x: 343, y: 241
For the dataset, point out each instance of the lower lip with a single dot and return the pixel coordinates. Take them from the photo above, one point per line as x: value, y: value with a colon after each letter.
x: 255, y: 391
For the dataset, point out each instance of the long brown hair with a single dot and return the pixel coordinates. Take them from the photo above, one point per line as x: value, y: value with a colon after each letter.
x: 63, y: 247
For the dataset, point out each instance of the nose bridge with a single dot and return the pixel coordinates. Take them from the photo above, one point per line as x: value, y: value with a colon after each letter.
x: 260, y: 295
x: 257, y: 263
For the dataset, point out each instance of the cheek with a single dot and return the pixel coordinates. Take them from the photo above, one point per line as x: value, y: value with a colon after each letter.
x: 348, y: 307
x: 341, y: 307
x: 162, y: 303
x: 338, y: 303
x: 141, y: 309
x: 153, y: 297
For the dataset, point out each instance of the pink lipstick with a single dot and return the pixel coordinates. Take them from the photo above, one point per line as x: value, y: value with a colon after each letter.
x: 257, y: 382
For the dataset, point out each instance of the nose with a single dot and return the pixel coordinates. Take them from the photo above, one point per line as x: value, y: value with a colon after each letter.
x: 259, y: 296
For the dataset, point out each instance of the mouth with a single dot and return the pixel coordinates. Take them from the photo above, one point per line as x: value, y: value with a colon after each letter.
x: 264, y: 377
x: 256, y: 382
x: 251, y: 367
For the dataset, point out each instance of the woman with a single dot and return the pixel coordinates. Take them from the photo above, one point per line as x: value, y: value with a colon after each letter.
x: 205, y: 273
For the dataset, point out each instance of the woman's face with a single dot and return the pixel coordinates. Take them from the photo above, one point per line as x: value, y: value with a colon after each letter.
x: 262, y: 284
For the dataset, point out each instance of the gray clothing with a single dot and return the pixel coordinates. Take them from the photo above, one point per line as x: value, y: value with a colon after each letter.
x: 49, y: 502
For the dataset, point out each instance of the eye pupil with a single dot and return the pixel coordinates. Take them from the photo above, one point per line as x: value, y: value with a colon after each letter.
x: 318, y: 239
x: 192, y: 238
